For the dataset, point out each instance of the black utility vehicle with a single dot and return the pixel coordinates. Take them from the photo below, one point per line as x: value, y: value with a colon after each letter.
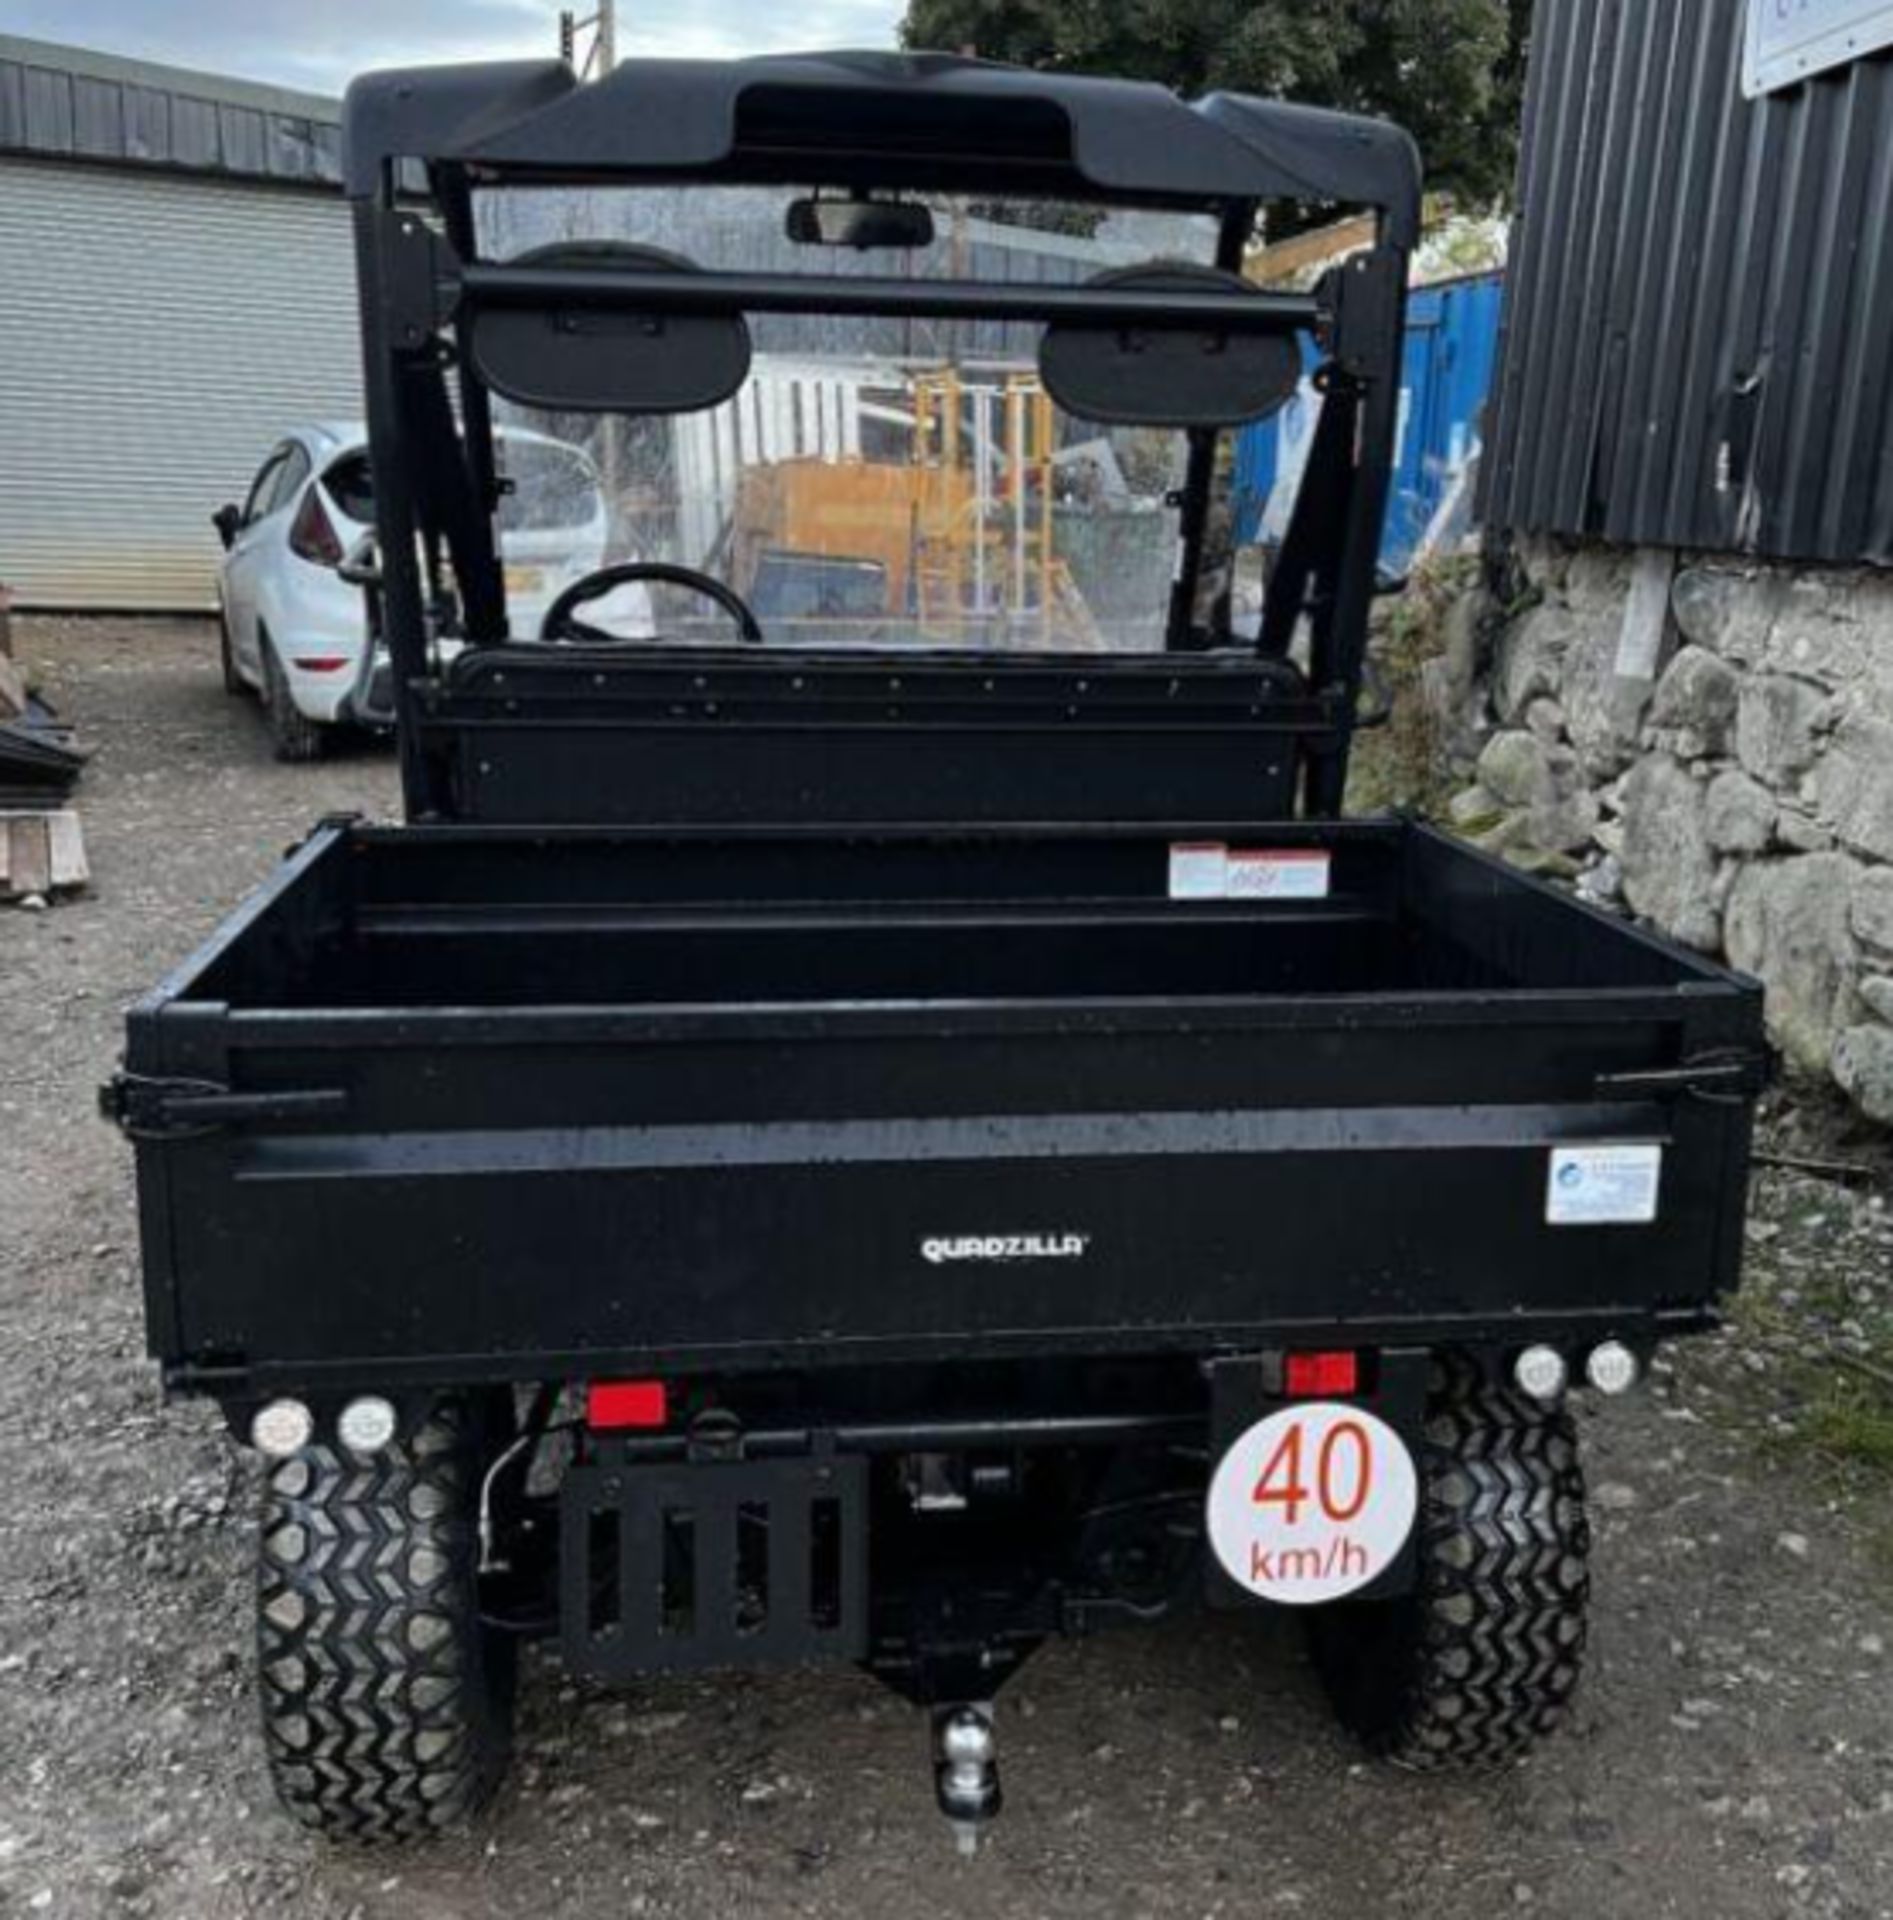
x: 890, y: 1138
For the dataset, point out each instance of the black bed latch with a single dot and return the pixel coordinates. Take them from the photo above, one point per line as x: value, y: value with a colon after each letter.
x: 148, y: 1107
x: 1733, y: 1076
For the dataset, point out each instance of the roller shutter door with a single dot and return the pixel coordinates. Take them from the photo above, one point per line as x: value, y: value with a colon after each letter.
x: 160, y: 332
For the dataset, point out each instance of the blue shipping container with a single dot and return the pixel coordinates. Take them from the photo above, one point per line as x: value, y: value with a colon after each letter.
x: 1452, y: 344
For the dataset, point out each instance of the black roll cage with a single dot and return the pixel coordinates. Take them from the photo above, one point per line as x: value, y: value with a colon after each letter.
x: 861, y: 121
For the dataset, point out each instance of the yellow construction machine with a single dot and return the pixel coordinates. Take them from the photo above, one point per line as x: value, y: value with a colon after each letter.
x: 956, y: 542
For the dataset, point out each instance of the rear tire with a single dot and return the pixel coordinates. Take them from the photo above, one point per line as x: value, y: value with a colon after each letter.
x: 296, y: 737
x: 1479, y: 1662
x: 387, y: 1703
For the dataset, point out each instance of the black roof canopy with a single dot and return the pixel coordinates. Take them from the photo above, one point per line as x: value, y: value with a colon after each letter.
x: 615, y: 328
x: 917, y: 119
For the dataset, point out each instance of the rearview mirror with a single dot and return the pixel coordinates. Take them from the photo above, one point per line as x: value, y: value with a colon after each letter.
x: 860, y: 223
x: 227, y: 519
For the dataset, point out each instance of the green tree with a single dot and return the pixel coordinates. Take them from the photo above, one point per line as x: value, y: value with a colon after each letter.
x: 1449, y: 71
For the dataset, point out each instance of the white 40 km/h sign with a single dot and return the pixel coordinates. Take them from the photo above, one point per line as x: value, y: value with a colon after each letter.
x: 1790, y: 40
x: 1312, y: 1503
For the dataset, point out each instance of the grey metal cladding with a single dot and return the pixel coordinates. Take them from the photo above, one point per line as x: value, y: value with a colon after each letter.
x: 69, y: 103
x: 294, y: 152
x: 195, y: 139
x: 325, y: 143
x: 48, y: 115
x: 240, y: 133
x: 98, y: 119
x: 1700, y: 301
x: 147, y: 124
x: 12, y: 105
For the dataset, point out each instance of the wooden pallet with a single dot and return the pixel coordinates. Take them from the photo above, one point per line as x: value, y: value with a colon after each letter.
x: 41, y: 854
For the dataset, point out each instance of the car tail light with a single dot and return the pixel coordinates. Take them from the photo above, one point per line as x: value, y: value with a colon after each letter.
x: 615, y: 1404
x: 312, y: 534
x: 319, y: 662
x: 1316, y: 1376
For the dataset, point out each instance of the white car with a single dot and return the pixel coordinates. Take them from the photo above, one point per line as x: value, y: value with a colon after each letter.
x: 294, y: 630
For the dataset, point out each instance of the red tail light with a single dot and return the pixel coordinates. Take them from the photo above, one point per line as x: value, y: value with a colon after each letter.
x: 312, y: 533
x: 611, y: 1404
x: 1320, y: 1376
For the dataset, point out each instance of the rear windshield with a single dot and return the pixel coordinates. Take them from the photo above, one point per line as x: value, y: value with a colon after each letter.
x: 550, y: 487
x: 876, y: 481
x: 547, y: 487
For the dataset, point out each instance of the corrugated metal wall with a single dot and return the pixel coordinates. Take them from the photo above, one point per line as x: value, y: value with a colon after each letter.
x: 1698, y: 342
x: 160, y: 332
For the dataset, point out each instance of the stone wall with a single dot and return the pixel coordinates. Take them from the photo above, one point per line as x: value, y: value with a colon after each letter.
x: 1709, y: 745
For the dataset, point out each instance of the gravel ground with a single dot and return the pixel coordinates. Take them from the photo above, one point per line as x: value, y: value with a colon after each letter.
x: 1732, y: 1756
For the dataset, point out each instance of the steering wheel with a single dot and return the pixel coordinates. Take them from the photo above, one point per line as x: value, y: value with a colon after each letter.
x: 560, y: 625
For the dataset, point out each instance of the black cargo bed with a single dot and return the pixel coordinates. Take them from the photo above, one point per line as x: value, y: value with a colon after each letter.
x: 522, y: 1102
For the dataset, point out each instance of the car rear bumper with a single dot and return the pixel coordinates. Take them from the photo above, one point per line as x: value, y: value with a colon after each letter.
x: 318, y: 631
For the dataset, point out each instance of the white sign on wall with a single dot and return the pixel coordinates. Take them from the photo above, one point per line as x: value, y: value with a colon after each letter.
x: 1790, y: 39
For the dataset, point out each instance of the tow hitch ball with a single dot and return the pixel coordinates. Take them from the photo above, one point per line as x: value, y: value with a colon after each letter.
x: 966, y: 1772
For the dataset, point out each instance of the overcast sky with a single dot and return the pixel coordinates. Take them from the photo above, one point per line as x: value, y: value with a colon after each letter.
x: 319, y: 44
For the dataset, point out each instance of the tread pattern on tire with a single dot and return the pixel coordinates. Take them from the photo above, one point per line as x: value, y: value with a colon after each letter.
x: 386, y: 1705
x: 1480, y: 1662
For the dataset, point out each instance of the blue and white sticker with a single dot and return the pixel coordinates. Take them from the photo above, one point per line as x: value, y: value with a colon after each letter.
x: 1615, y: 1186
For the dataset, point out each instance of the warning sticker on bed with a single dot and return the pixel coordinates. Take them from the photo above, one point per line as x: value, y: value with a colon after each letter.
x: 1603, y: 1186
x: 1210, y: 870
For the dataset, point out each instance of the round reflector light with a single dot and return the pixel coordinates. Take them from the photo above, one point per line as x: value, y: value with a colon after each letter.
x: 1540, y: 1372
x: 282, y: 1428
x: 366, y: 1425
x: 1611, y: 1367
